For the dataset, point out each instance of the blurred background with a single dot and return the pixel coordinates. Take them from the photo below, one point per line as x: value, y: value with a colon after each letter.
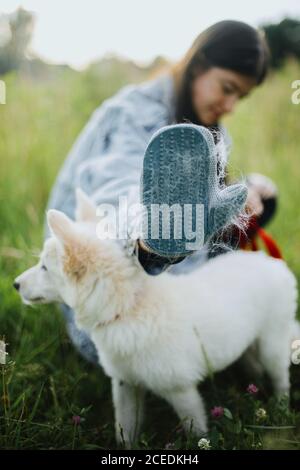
x: 58, y: 61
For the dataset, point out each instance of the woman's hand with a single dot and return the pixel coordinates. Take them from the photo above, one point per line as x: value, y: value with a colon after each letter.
x: 259, y: 188
x: 254, y: 205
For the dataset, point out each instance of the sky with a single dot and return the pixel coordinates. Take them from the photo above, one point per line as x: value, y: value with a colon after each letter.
x: 79, y: 31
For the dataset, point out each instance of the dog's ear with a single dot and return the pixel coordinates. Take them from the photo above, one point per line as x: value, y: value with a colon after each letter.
x: 85, y: 208
x: 61, y: 226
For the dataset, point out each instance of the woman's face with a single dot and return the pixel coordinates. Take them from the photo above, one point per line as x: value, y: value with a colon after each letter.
x: 216, y: 91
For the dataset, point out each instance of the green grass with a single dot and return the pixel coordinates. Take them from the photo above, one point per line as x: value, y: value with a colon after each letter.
x: 45, y: 382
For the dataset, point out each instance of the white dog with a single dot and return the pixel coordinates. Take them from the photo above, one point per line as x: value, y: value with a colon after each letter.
x: 164, y: 333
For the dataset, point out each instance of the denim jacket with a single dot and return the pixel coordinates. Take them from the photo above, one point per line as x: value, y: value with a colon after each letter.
x: 107, y: 158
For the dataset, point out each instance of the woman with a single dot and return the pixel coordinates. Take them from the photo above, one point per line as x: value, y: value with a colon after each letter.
x: 225, y: 63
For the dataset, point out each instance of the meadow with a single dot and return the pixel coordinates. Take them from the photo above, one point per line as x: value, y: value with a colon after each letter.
x: 51, y: 398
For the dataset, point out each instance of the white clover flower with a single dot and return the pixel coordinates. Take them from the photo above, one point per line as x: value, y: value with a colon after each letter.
x: 261, y: 414
x: 204, y: 444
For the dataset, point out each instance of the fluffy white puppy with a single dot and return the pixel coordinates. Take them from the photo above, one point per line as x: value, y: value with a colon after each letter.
x: 165, y: 333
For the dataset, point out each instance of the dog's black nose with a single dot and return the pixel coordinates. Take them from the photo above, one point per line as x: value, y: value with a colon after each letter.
x: 16, y: 285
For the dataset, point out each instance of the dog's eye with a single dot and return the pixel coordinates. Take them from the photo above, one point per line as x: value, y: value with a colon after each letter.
x: 44, y: 267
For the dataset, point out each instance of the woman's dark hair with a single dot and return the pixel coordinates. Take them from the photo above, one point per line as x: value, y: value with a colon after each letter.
x: 227, y: 44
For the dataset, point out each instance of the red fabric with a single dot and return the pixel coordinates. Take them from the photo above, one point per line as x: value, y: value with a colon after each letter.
x: 270, y: 244
x: 253, y: 232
